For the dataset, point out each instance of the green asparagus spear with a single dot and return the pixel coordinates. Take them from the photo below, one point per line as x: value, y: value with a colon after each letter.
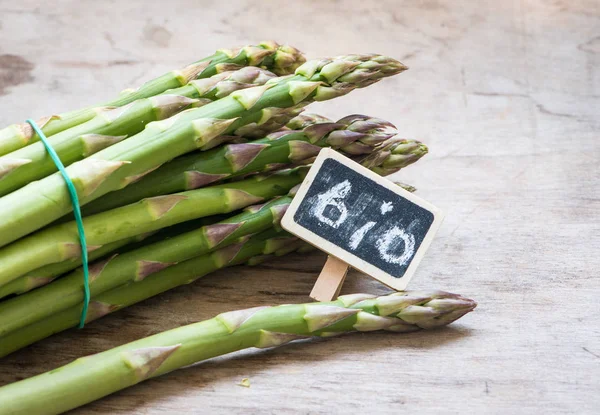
x: 281, y: 60
x: 138, y: 264
x: 78, y: 383
x: 199, y: 169
x: 109, y: 127
x: 61, y: 242
x: 113, y: 168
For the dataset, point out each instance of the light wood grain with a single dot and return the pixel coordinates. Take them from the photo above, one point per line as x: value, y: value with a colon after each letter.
x: 507, y: 96
x: 330, y: 281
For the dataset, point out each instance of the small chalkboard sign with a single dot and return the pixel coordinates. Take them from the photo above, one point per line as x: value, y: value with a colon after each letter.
x: 362, y: 219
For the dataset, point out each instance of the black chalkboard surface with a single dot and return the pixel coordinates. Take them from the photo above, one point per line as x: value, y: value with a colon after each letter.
x: 362, y: 218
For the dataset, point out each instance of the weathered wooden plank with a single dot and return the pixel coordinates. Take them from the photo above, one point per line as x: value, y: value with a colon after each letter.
x: 507, y: 96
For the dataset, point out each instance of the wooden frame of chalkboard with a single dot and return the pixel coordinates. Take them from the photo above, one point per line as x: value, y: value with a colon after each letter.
x: 328, y: 168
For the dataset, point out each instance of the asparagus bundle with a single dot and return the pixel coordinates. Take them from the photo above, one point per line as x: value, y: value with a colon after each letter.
x: 128, y: 160
x: 77, y: 383
x: 41, y: 202
x: 281, y: 60
x: 111, y: 126
x: 356, y: 134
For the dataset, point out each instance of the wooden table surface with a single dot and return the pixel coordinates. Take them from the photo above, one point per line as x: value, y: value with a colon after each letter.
x: 507, y: 96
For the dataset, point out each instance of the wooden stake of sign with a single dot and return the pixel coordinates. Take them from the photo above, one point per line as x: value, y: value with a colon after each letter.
x: 362, y: 219
x: 330, y: 280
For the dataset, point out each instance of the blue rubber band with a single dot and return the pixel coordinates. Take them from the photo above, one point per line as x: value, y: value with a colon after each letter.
x: 78, y: 220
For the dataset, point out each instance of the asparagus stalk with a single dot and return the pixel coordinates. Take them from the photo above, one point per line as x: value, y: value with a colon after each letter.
x: 78, y: 383
x: 281, y: 60
x: 61, y: 242
x: 199, y: 169
x: 137, y: 265
x: 113, y: 168
x: 111, y: 126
